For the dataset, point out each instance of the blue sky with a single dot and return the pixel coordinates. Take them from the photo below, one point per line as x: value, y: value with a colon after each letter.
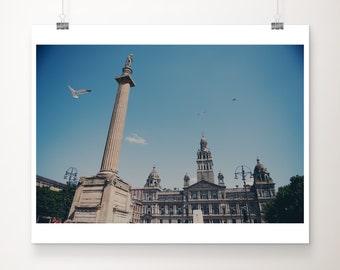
x: 181, y: 91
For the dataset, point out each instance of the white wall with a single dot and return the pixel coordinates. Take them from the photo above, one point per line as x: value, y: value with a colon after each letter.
x: 16, y: 19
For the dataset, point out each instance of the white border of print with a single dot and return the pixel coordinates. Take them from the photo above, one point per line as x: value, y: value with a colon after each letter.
x: 171, y: 233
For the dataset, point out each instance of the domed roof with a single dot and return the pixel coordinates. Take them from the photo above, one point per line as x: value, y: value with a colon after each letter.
x: 154, y: 174
x: 259, y: 167
x: 153, y: 179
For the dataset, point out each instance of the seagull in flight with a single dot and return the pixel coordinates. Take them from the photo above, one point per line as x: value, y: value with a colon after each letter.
x: 201, y: 114
x: 75, y: 93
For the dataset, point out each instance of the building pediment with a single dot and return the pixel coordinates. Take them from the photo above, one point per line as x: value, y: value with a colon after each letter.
x: 204, y: 185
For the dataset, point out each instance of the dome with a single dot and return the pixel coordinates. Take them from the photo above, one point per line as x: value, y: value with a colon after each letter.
x: 153, y: 179
x: 261, y: 173
x: 154, y: 174
x: 259, y: 166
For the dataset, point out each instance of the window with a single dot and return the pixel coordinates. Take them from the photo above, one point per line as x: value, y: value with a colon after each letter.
x: 232, y: 209
x: 242, y: 196
x: 205, y: 209
x: 266, y: 193
x: 204, y: 196
x: 253, y: 209
x: 161, y: 210
x: 193, y: 196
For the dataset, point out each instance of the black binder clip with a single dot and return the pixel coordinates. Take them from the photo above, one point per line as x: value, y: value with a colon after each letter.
x: 277, y: 25
x: 62, y: 25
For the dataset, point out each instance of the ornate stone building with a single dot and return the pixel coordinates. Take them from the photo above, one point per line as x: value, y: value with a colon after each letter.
x: 216, y: 202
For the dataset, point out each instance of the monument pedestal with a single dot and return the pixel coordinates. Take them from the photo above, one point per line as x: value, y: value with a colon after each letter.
x: 103, y: 198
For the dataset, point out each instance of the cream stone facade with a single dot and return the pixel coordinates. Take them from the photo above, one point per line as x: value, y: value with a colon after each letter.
x: 216, y: 202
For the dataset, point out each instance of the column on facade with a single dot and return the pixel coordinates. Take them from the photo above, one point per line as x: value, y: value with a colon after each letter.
x: 238, y: 208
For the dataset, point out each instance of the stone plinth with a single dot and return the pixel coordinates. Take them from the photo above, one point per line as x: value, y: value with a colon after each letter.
x: 101, y: 199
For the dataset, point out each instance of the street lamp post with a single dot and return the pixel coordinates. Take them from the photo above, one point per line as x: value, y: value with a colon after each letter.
x: 71, y: 176
x: 244, y: 171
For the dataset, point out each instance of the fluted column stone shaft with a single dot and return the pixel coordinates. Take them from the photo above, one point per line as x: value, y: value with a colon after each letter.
x: 110, y: 161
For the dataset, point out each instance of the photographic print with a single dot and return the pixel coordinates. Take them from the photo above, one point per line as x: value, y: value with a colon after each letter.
x: 197, y: 133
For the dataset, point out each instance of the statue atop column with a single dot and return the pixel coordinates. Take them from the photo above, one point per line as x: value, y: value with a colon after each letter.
x: 128, y: 61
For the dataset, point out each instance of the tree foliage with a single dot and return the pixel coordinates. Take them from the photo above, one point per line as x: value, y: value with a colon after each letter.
x: 288, y: 205
x: 54, y: 204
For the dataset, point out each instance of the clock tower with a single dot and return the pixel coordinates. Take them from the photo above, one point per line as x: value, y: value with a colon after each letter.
x: 204, y: 162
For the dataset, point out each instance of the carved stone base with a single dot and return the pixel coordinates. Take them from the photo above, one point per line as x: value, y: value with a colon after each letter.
x: 103, y: 198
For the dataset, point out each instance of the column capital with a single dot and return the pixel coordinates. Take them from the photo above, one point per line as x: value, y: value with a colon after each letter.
x: 125, y: 78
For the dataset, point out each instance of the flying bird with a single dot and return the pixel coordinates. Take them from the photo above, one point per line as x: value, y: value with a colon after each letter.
x: 75, y: 93
x: 201, y: 114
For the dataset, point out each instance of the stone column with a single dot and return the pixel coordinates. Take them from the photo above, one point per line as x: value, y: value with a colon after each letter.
x: 106, y: 198
x: 114, y: 139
